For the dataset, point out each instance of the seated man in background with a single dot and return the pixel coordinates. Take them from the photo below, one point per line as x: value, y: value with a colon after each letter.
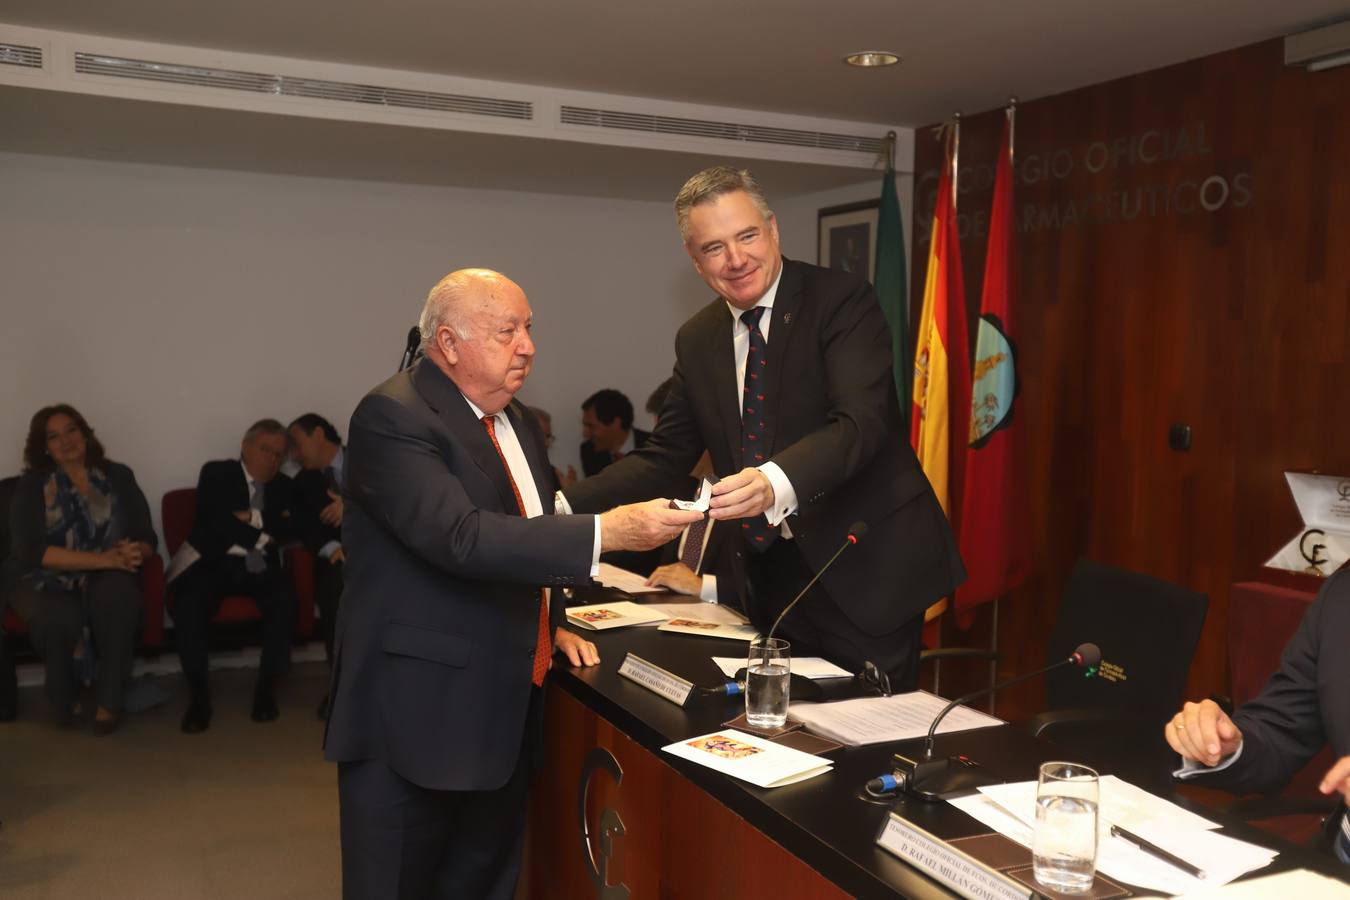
x: 244, y: 514
x: 546, y: 426
x: 1304, y: 706
x: 607, y: 426
x: 317, y: 447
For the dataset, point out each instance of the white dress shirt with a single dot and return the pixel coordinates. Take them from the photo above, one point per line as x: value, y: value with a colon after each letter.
x: 519, y: 468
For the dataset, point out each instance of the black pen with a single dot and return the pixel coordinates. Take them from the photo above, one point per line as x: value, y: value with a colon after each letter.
x: 1155, y: 850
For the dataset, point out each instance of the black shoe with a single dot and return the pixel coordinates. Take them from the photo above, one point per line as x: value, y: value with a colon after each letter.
x: 322, y: 711
x: 264, y: 705
x: 197, y: 718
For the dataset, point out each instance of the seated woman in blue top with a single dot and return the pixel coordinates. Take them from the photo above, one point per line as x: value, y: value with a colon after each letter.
x: 81, y: 528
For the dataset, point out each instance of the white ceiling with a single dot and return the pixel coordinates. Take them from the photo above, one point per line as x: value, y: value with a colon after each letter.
x: 782, y: 55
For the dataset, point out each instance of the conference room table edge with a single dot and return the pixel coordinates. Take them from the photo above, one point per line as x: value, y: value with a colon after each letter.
x: 847, y: 855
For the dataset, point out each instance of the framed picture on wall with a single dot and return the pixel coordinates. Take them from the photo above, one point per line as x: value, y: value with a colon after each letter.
x: 847, y: 237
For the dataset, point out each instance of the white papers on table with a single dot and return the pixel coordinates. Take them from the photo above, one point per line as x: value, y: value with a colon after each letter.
x: 1301, y: 883
x: 806, y: 666
x: 624, y: 580
x: 685, y: 625
x: 1119, y: 802
x: 1010, y: 809
x: 872, y: 720
x: 600, y: 616
x: 750, y: 758
x: 697, y: 609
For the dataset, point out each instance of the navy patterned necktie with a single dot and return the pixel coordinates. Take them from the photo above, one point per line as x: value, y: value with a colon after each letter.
x: 758, y: 533
x: 1343, y: 836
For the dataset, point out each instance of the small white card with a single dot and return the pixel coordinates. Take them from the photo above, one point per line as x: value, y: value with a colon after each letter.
x: 600, y: 616
x: 750, y: 758
x: 656, y: 679
x: 699, y: 504
x: 710, y: 629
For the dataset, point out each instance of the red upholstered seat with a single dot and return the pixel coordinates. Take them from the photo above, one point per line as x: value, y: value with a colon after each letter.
x: 177, y: 511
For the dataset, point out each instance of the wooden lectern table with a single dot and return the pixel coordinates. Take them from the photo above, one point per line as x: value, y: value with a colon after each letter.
x: 611, y: 816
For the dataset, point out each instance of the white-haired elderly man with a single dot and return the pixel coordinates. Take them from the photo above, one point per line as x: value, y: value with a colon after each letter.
x: 446, y: 634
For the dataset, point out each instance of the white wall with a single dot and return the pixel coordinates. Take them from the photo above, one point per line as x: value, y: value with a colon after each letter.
x: 174, y: 306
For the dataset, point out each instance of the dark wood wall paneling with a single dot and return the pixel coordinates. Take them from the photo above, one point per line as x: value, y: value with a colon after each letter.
x: 1139, y: 307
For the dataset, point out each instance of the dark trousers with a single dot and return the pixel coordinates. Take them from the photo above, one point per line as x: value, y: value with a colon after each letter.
x: 111, y: 605
x: 405, y: 842
x: 818, y: 627
x: 197, y: 595
x: 327, y: 596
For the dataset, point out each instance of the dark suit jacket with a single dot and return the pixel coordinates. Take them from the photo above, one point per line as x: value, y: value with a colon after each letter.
x: 311, y: 499
x: 594, y: 461
x: 1303, y: 707
x: 440, y: 609
x: 222, y: 491
x: 835, y: 432
x: 722, y: 559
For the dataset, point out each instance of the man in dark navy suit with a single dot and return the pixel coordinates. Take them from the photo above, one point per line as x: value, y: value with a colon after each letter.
x: 786, y: 379
x: 444, y: 634
x: 244, y: 514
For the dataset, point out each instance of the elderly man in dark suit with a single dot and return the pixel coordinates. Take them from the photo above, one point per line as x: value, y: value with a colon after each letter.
x: 444, y: 635
x: 1303, y: 707
x: 244, y: 515
x: 786, y: 379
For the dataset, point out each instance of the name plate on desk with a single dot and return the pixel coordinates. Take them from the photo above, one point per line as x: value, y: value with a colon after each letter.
x: 944, y: 863
x: 656, y: 679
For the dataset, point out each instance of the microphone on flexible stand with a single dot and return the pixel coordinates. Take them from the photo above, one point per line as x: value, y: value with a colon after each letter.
x: 410, y: 349
x: 933, y: 779
x: 804, y: 688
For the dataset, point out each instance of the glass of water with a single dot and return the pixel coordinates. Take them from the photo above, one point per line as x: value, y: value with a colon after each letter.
x: 766, y: 682
x: 1064, y: 849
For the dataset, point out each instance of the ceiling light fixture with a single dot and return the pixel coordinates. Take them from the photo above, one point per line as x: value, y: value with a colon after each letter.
x: 866, y: 59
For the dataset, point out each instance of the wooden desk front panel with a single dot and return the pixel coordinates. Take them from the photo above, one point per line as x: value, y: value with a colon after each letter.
x: 679, y: 843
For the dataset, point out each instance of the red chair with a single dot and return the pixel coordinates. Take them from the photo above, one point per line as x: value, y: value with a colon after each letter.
x: 177, y: 511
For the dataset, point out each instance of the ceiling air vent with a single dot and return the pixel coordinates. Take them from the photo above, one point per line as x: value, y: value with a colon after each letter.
x: 291, y: 86
x: 726, y: 131
x: 21, y: 56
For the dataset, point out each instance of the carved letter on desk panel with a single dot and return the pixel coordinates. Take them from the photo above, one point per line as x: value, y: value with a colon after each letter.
x: 611, y: 826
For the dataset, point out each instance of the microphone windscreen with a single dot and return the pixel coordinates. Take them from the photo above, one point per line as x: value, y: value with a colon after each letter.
x: 414, y: 337
x: 858, y: 531
x: 1091, y: 654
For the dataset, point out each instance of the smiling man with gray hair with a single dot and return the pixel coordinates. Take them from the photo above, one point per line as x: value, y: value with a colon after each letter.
x: 445, y: 635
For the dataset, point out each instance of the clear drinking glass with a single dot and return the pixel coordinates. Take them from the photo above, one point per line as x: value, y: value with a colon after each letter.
x: 766, y: 682
x: 1064, y: 850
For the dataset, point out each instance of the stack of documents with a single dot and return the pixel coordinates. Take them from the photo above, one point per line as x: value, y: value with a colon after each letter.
x: 873, y: 720
x: 813, y: 667
x: 750, y: 758
x: 1010, y: 809
x: 600, y: 616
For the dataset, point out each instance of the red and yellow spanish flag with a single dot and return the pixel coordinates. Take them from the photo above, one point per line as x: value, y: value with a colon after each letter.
x: 939, y: 421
